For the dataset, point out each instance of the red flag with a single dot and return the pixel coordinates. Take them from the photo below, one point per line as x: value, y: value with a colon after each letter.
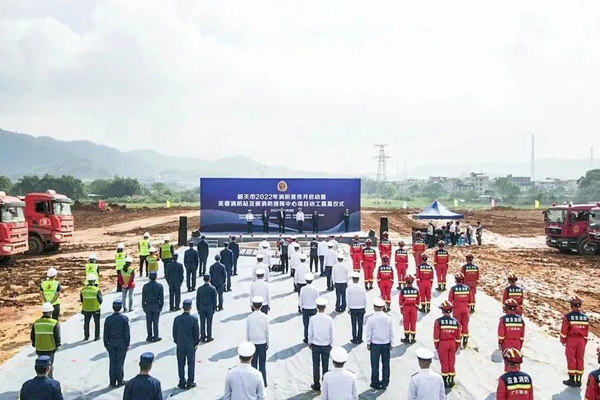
x: 101, y: 205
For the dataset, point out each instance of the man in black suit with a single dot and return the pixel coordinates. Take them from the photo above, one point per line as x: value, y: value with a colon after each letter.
x: 281, y: 219
x: 346, y: 220
x: 315, y: 221
x: 265, y: 221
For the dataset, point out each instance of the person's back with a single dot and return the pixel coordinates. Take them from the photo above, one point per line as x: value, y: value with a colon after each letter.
x: 339, y: 384
x: 41, y: 388
x: 143, y: 387
x: 426, y: 385
x: 218, y: 275
x: 244, y: 382
x: 152, y: 295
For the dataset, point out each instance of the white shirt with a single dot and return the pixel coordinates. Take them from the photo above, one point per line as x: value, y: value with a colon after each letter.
x: 335, y: 244
x: 295, y: 260
x: 380, y: 329
x: 339, y: 384
x: 262, y: 289
x: 452, y: 228
x: 301, y: 270
x: 356, y: 296
x: 262, y: 266
x: 330, y: 258
x: 299, y: 216
x: 308, y: 295
x: 266, y: 253
x: 249, y: 217
x: 430, y: 229
x: 257, y: 328
x: 340, y: 273
x: 244, y: 383
x: 260, y: 246
x: 426, y: 385
x: 320, y: 330
x: 292, y: 248
x: 322, y: 248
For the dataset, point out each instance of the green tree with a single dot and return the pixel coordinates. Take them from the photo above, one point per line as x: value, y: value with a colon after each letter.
x: 5, y: 184
x: 506, y: 189
x: 433, y: 191
x: 66, y: 184
x: 123, y: 187
x: 588, y: 187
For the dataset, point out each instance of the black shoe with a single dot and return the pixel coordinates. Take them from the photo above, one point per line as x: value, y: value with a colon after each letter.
x: 112, y: 385
x: 177, y: 308
x: 570, y: 382
x: 208, y: 340
x: 96, y: 339
x: 122, y: 383
x: 85, y: 339
x: 182, y: 386
x: 451, y: 382
x: 383, y: 387
x: 157, y: 339
x: 148, y: 339
x: 191, y: 385
x: 305, y: 340
x: 315, y: 387
x: 374, y: 386
x: 446, y: 381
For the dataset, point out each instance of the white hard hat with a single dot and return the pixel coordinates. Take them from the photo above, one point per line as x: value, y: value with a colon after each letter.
x: 246, y: 349
x: 259, y: 256
x: 378, y: 302
x: 340, y: 256
x: 51, y: 272
x: 128, y: 259
x: 321, y: 301
x: 121, y: 246
x: 329, y: 244
x: 293, y: 237
x: 93, y: 256
x: 297, y: 246
x: 339, y: 354
x: 264, y: 237
x: 146, y: 234
x: 265, y: 245
x: 91, y: 277
x: 309, y: 277
x: 47, y: 307
x: 260, y: 271
x: 166, y: 238
x: 152, y: 249
x: 303, y: 256
x: 258, y: 299
x: 355, y: 274
x: 424, y: 354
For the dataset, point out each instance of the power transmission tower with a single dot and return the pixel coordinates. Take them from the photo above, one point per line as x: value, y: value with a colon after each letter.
x: 381, y: 164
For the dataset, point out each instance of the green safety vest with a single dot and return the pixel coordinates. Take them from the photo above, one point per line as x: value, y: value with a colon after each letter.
x: 49, y: 288
x: 127, y: 274
x: 44, y: 334
x: 144, y: 247
x: 92, y: 268
x: 152, y: 263
x: 120, y: 260
x: 166, y: 251
x: 90, y: 298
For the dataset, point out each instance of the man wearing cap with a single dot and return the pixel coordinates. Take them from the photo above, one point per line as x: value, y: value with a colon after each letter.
x: 45, y: 334
x: 299, y: 276
x: 50, y: 290
x: 190, y: 261
x: 261, y: 289
x: 235, y: 248
x: 260, y: 264
x: 206, y: 304
x: 249, y: 221
x: 369, y: 260
x: 186, y: 336
x: 152, y: 260
x: 426, y: 384
x: 447, y: 337
x: 330, y: 261
x: 243, y: 381
x: 127, y: 280
x: 42, y: 387
x: 117, y: 337
x: 293, y: 245
x: 265, y: 251
x: 356, y: 253
x: 515, y: 384
x: 320, y: 340
x: 120, y: 256
x: 92, y: 266
x: 339, y: 383
x: 257, y: 332
x: 91, y: 303
x: 314, y: 254
x: 307, y: 302
x: 340, y: 274
x: 300, y: 220
x: 264, y: 243
x: 295, y: 258
x: 335, y: 242
x: 281, y: 219
x: 152, y: 304
x: 592, y: 391
x: 409, y: 306
x: 227, y: 261
x: 218, y: 278
x: 203, y: 251
x: 143, y: 386
x: 144, y: 252
x: 283, y: 246
x: 380, y: 340
x: 385, y: 280
x: 321, y: 250
x: 166, y: 252
x: 174, y: 278
x: 357, y: 304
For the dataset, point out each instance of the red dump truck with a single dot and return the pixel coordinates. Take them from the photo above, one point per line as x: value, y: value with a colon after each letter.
x: 567, y: 228
x: 13, y: 226
x: 49, y: 221
x: 594, y: 228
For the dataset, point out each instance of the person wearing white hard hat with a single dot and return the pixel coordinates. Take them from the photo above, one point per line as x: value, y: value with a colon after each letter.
x: 321, y: 250
x: 380, y: 340
x: 152, y: 261
x: 91, y: 303
x: 340, y: 275
x: 330, y: 261
x: 320, y: 340
x: 339, y: 383
x: 265, y: 251
x: 166, y: 251
x: 92, y: 267
x: 300, y: 220
x: 249, y: 222
x: 264, y: 243
x: 426, y: 384
x: 127, y: 281
x: 144, y: 251
x: 307, y: 302
x: 295, y: 258
x: 260, y: 264
x: 261, y: 288
x: 283, y: 247
x: 301, y: 270
x: 120, y: 256
x: 357, y: 305
x: 244, y: 382
x: 257, y: 332
x: 45, y: 334
x: 335, y: 242
x: 50, y: 290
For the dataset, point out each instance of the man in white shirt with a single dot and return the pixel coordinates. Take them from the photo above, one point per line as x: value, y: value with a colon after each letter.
x: 300, y: 219
x: 260, y: 265
x: 452, y: 230
x: 262, y: 289
x: 330, y: 261
x: 307, y: 302
x: 335, y: 242
x: 380, y: 340
x: 301, y: 270
x: 339, y: 275
x: 249, y: 221
x: 265, y: 250
x: 321, y: 250
x: 320, y: 340
x: 292, y: 246
x: 357, y: 303
x: 295, y: 258
x: 264, y: 242
x: 426, y: 384
x: 244, y: 382
x: 257, y: 332
x: 339, y: 383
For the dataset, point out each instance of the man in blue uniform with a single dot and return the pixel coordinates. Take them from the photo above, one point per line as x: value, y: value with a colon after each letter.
x: 174, y: 277
x: 186, y: 336
x: 143, y: 386
x: 202, y: 254
x: 116, y: 341
x: 227, y: 261
x: 152, y: 304
x: 41, y: 387
x: 206, y: 304
x: 314, y: 255
x: 190, y: 260
x: 235, y: 248
x: 218, y: 277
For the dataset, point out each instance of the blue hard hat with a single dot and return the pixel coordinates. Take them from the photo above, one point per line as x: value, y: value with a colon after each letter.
x: 117, y: 302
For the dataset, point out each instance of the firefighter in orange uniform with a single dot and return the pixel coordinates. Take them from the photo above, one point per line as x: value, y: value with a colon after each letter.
x: 401, y: 259
x: 471, y: 273
x: 592, y: 391
x: 441, y: 259
x: 514, y: 384
x: 574, y: 336
x: 446, y: 337
x: 409, y: 305
x: 369, y: 259
x: 356, y: 253
x: 418, y: 247
x: 462, y: 297
x: 511, y: 328
x: 425, y: 281
x: 515, y: 292
x: 385, y: 246
x: 385, y: 280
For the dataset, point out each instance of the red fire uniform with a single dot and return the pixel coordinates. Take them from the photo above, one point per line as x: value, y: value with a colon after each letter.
x: 462, y: 298
x: 356, y: 249
x: 409, y: 305
x: 385, y: 280
x: 514, y: 292
x: 441, y: 259
x: 514, y: 385
x: 401, y: 259
x: 424, y: 281
x: 369, y: 259
x: 574, y: 335
x: 418, y: 247
x: 511, y: 332
x: 471, y: 273
x: 385, y: 247
x: 446, y: 337
x: 592, y: 391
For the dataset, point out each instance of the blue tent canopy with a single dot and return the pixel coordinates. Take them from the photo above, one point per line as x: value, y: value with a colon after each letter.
x: 437, y: 211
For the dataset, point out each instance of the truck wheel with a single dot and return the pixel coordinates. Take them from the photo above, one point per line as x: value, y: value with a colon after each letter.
x: 36, y: 246
x: 54, y: 248
x: 585, y: 247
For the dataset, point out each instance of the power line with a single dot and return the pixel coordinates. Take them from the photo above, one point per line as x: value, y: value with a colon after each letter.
x: 381, y: 163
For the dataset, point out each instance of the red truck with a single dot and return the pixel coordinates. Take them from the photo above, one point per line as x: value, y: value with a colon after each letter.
x: 13, y: 227
x: 594, y: 228
x: 49, y: 221
x: 567, y: 228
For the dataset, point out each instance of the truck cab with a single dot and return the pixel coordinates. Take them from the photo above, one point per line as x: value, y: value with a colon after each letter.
x: 594, y: 228
x: 49, y: 221
x: 567, y: 228
x: 13, y: 226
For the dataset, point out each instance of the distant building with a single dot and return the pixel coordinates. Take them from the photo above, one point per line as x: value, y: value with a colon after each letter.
x: 402, y: 186
x: 480, y: 182
x: 551, y: 184
x: 524, y: 182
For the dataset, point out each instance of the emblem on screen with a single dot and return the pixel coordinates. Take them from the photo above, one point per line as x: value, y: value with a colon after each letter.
x: 282, y: 186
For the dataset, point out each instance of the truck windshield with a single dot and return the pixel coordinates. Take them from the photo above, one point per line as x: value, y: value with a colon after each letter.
x: 12, y: 214
x: 61, y: 208
x: 595, y: 220
x: 555, y: 216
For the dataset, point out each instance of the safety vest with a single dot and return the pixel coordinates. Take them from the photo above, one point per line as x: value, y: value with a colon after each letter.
x: 92, y: 268
x: 120, y: 260
x: 152, y: 263
x: 127, y: 275
x: 44, y: 334
x: 166, y: 251
x: 144, y: 247
x: 49, y: 288
x: 90, y: 298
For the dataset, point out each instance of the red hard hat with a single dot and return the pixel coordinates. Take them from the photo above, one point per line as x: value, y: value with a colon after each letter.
x: 446, y: 306
x: 385, y: 233
x: 401, y: 243
x: 575, y: 301
x: 511, y: 304
x: 469, y: 257
x: 424, y: 256
x: 513, y: 277
x: 441, y: 243
x: 419, y: 233
x: 459, y: 277
x: 356, y: 237
x: 368, y: 241
x: 409, y: 278
x: 513, y: 356
x: 385, y: 257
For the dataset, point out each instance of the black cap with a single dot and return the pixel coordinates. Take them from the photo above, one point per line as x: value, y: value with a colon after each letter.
x: 217, y: 257
x: 43, y: 361
x: 147, y: 358
x: 187, y: 304
x: 175, y: 256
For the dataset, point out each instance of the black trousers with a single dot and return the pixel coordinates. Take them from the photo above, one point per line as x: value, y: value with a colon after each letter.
x: 56, y: 311
x: 380, y: 352
x: 51, y: 355
x: 306, y: 314
x: 346, y: 224
x: 315, y: 260
x: 228, y: 268
x: 174, y: 296
x: 285, y: 263
x: 259, y: 361
x: 265, y: 227
x: 119, y: 289
x: 328, y: 271
x: 478, y: 240
x: 186, y: 355
x: 203, y: 260
x: 206, y: 323
x: 281, y: 228
x: 235, y: 260
x: 116, y: 357
x: 340, y: 296
x: 220, y: 290
x: 190, y: 278
x: 315, y: 228
x: 320, y: 356
x: 357, y: 317
x: 300, y: 226
x: 152, y: 317
x: 86, y: 324
x: 249, y: 230
x: 142, y: 263
x: 322, y: 262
